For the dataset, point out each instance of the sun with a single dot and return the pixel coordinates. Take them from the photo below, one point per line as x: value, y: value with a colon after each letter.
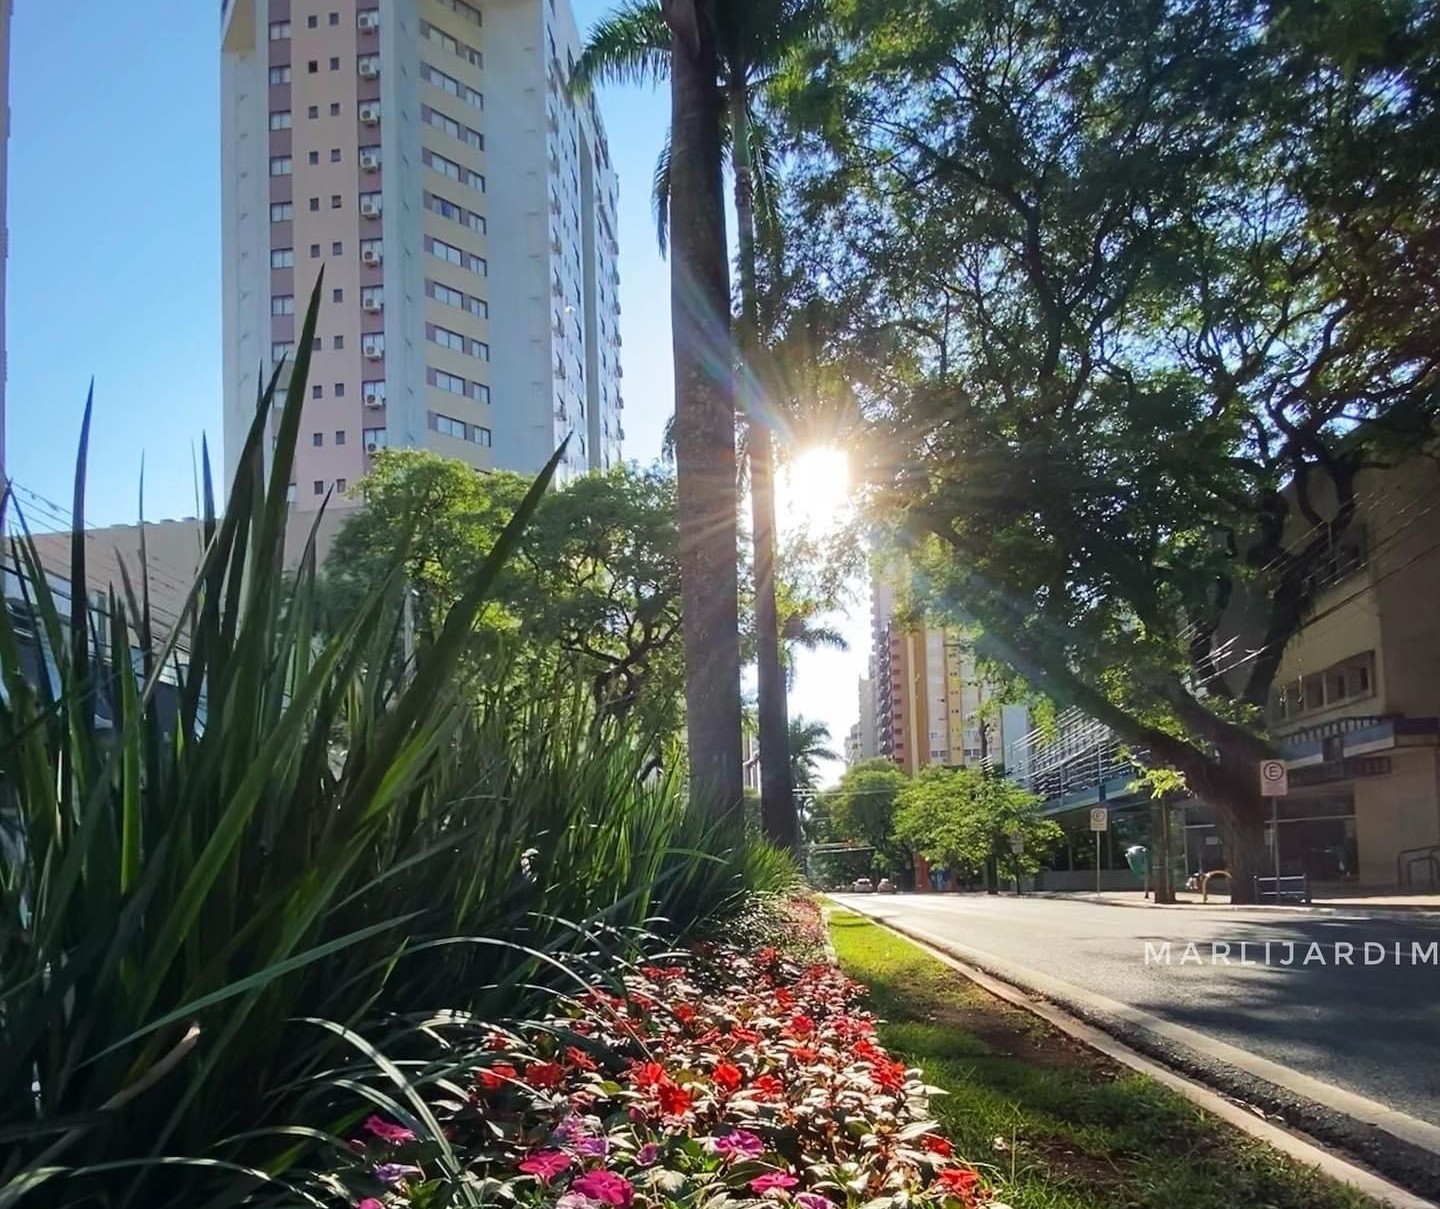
x: 814, y: 489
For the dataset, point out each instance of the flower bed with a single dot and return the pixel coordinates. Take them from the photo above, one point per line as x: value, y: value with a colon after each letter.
x: 729, y: 1079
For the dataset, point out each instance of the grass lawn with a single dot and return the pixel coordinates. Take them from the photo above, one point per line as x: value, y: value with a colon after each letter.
x: 1051, y: 1123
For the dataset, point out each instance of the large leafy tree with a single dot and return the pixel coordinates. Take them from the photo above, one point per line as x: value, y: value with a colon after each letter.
x: 596, y: 593
x: 862, y: 810
x: 960, y: 818
x: 1153, y: 283
x: 752, y: 39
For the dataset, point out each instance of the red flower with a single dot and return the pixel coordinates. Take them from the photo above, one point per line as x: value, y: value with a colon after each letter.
x: 804, y: 1053
x: 683, y: 1012
x: 579, y: 1059
x: 727, y: 1076
x: 768, y: 1085
x: 546, y: 1164
x: 648, y: 1074
x: 493, y: 1078
x: 890, y: 1075
x: 544, y: 1074
x: 674, y: 1101
x: 606, y: 1187
x: 935, y: 1144
x: 800, y: 1026
x: 959, y: 1182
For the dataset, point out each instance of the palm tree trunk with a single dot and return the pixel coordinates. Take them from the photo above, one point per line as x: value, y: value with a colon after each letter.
x: 777, y: 792
x: 704, y: 413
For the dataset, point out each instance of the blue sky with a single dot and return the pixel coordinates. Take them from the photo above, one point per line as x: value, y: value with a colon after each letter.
x: 114, y: 267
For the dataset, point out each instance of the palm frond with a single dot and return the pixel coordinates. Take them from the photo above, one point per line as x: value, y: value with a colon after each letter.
x: 630, y: 46
x: 660, y: 196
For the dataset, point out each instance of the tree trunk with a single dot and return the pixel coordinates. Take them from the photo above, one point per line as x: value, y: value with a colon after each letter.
x: 1242, y: 832
x: 704, y: 414
x: 777, y: 794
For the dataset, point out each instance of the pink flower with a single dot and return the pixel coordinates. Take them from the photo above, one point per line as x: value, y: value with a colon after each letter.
x: 740, y: 1144
x: 762, y: 1184
x: 593, y: 1148
x: 546, y: 1164
x: 388, y: 1132
x: 370, y: 1203
x: 647, y: 1154
x: 606, y: 1187
x: 813, y: 1200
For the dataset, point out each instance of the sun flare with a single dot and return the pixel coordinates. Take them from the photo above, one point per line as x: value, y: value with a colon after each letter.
x: 814, y: 489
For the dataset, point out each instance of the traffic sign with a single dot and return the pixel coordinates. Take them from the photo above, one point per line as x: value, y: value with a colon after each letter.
x: 1099, y: 819
x: 1017, y: 844
x: 1274, y: 778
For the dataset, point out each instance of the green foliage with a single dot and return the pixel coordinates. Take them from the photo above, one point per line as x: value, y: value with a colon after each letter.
x: 594, y: 595
x: 958, y: 818
x: 862, y: 809
x: 807, y: 749
x: 1142, y: 286
x: 239, y: 856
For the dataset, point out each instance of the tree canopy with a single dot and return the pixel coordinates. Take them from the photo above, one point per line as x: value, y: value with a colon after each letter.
x: 1143, y: 287
x: 958, y: 818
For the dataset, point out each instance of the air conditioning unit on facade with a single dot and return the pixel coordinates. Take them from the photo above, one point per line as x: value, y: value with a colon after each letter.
x: 370, y: 161
x: 370, y: 114
x: 372, y: 447
x: 370, y: 256
x: 374, y: 304
x: 368, y: 22
x: 374, y: 400
x: 374, y: 351
x: 370, y: 208
x: 369, y: 69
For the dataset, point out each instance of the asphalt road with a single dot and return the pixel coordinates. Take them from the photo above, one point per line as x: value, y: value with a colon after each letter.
x: 1373, y: 1030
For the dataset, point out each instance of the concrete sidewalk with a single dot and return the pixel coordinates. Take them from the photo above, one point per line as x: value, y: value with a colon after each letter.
x: 1368, y: 904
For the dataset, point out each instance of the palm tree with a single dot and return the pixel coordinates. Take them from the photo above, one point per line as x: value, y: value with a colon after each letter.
x: 704, y: 405
x: 753, y: 39
x: 805, y: 750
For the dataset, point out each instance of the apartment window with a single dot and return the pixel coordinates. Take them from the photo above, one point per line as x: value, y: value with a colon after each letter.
x: 314, y: 157
x: 480, y: 435
x: 370, y: 203
x: 375, y: 438
x: 280, y: 120
x: 374, y: 391
x: 445, y: 338
x: 368, y: 65
x: 314, y: 251
x: 450, y: 427
x: 480, y: 350
x: 317, y: 344
x: 338, y: 342
x: 337, y: 295
x: 282, y: 304
x: 478, y: 307
x: 282, y: 211
x: 371, y: 250
x: 334, y: 155
x: 372, y: 151
x: 440, y: 121
x: 368, y: 18
x: 341, y: 484
x: 290, y: 494
x: 475, y: 181
x: 317, y: 391
x: 317, y: 439
x: 443, y: 293
x: 447, y: 382
x: 314, y: 203
x: 313, y: 66
x: 337, y: 248
x: 335, y: 202
x: 334, y: 109
x: 313, y: 112
x: 372, y: 298
x: 319, y: 487
x: 334, y: 18
x: 280, y: 165
x: 444, y: 251
x: 374, y: 343
x: 477, y: 265
x: 281, y: 351
x: 280, y: 75
x: 335, y: 63
x: 480, y: 392
x: 461, y: 9
x: 476, y: 222
x: 446, y: 167
x: 453, y: 45
x: 282, y: 258
x: 339, y: 436
x: 312, y: 21
x: 472, y: 98
x: 435, y: 76
x: 339, y: 394
x: 443, y: 207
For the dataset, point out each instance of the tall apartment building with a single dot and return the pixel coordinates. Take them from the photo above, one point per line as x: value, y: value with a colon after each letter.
x: 426, y: 154
x: 929, y: 696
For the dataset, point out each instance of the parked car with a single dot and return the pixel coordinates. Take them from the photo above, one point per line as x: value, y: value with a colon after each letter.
x: 863, y: 885
x: 886, y: 886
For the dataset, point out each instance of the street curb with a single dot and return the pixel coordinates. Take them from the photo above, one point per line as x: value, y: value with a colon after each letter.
x: 1414, y: 1167
x: 1325, y: 907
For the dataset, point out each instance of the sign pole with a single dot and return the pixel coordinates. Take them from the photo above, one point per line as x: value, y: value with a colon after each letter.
x: 1275, y: 784
x: 1097, y: 864
x: 1275, y: 840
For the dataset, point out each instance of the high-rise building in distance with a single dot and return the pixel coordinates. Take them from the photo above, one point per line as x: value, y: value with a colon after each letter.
x: 427, y: 155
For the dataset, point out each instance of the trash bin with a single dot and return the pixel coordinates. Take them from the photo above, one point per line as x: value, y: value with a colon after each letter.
x: 1138, y: 858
